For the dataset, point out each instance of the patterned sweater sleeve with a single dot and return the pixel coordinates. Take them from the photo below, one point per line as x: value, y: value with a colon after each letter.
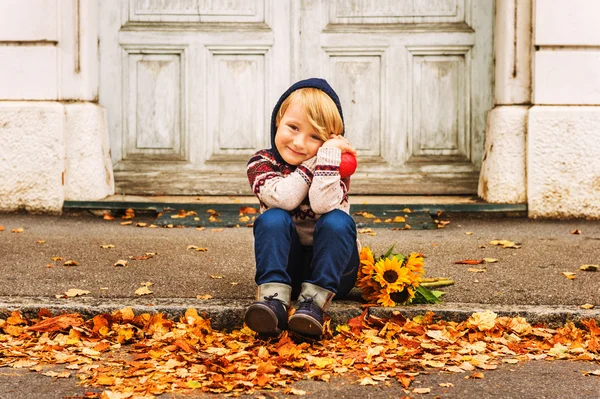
x: 274, y: 188
x: 328, y: 190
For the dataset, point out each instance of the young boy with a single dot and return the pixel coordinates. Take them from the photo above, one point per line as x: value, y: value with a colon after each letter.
x: 305, y: 241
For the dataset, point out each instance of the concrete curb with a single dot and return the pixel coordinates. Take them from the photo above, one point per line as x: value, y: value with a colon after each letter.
x: 228, y: 314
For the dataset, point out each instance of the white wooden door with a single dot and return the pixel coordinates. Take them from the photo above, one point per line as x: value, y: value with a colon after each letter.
x: 189, y: 86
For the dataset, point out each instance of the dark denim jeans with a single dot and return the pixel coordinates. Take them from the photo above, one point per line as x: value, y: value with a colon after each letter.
x: 331, y: 263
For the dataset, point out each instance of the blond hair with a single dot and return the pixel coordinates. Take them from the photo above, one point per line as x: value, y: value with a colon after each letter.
x: 320, y: 109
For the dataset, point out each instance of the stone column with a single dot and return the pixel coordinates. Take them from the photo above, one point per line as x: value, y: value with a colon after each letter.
x: 503, y: 177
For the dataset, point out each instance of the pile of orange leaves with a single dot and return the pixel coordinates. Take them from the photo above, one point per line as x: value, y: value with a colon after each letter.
x: 146, y: 355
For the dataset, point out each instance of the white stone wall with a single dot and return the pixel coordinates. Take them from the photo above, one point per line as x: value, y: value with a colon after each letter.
x: 563, y: 142
x: 563, y: 163
x: 54, y: 135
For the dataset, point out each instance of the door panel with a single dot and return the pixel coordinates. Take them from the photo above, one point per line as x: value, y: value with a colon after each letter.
x: 189, y: 86
x: 405, y: 71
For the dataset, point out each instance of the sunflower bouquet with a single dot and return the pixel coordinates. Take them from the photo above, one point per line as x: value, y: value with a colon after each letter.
x: 393, y: 279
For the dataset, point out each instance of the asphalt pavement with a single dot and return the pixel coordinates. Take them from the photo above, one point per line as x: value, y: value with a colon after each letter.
x: 219, y: 281
x: 528, y: 279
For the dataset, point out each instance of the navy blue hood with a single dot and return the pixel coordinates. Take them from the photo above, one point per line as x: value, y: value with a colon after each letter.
x: 316, y: 83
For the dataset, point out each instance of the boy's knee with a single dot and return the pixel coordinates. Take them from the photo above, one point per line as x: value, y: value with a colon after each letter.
x: 274, y: 218
x: 336, y: 221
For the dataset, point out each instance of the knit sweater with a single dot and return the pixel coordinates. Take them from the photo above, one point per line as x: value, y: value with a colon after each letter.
x: 306, y: 191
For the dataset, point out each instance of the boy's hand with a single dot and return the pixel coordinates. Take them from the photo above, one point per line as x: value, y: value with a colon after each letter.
x: 340, y: 142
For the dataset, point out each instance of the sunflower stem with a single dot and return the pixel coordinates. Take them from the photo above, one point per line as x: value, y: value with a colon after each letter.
x: 436, y: 282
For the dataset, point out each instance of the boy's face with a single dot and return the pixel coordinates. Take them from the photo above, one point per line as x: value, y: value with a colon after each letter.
x: 296, y: 139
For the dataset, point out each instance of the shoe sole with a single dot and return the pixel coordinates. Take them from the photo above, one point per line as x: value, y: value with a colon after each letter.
x: 305, y: 325
x: 261, y: 319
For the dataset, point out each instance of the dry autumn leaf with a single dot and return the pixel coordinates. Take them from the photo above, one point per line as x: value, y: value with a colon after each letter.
x: 569, y: 275
x: 141, y: 224
x: 474, y: 270
x: 143, y: 291
x: 129, y: 214
x: 73, y: 292
x: 399, y: 219
x: 216, y: 277
x: 577, y: 231
x: 71, y: 263
x: 1, y: 228
x: 197, y: 249
x: 40, y: 241
x: 505, y: 244
x: 421, y: 390
x: 126, y: 223
x: 19, y: 230
x: 107, y: 246
x: 469, y: 262
x: 248, y: 210
x: 204, y: 297
x: 587, y: 306
x: 120, y: 263
x: 589, y: 268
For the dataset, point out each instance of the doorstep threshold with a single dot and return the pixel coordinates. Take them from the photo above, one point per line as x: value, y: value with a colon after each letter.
x: 433, y: 203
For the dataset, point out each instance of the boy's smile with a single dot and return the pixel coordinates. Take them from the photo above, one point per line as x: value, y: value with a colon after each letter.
x: 296, y: 139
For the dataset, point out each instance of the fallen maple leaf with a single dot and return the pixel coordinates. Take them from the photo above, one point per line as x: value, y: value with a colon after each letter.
x: 368, y: 381
x: 421, y: 390
x: 141, y: 224
x: 577, y: 231
x: 72, y: 292
x: 478, y: 375
x: 474, y: 270
x: 197, y: 249
x: 40, y: 241
x: 121, y: 263
x: 19, y: 230
x: 55, y: 258
x: 129, y: 214
x: 399, y: 219
x: 1, y: 228
x: 469, y: 262
x: 505, y: 244
x: 108, y: 217
x: 248, y: 210
x: 57, y: 323
x: 71, y: 263
x: 294, y: 391
x: 484, y: 321
x: 589, y: 268
x: 143, y: 291
x: 107, y: 246
x: 569, y: 275
x: 587, y: 306
x: 126, y: 223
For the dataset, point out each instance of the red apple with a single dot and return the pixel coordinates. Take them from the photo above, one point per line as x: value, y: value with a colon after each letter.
x: 347, y: 165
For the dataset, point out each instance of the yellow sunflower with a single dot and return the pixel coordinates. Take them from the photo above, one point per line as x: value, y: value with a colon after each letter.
x: 390, y: 274
x: 415, y: 264
x: 393, y: 298
x: 366, y: 256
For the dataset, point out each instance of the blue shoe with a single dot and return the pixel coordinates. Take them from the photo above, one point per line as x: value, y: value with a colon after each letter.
x: 308, y: 319
x: 268, y: 317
